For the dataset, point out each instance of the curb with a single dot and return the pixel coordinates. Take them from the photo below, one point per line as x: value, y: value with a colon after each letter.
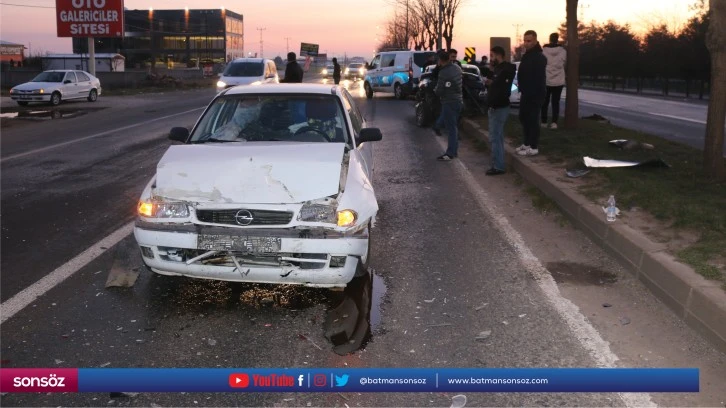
x: 700, y: 303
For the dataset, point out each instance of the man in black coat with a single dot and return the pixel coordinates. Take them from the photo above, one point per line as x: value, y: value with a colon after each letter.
x: 293, y: 71
x: 336, y: 71
x: 532, y: 85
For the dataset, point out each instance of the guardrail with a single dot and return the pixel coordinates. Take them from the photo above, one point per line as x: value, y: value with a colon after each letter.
x: 696, y: 89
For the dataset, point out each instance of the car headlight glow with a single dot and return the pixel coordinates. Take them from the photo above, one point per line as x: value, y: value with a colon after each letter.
x: 346, y: 218
x: 347, y: 70
x: 325, y: 71
x: 163, y: 209
x: 361, y: 70
x: 221, y: 84
x: 41, y: 90
x: 318, y: 213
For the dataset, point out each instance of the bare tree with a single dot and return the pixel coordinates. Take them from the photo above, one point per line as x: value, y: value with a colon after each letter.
x: 420, y: 20
x: 713, y: 161
x: 572, y: 107
x: 450, y: 9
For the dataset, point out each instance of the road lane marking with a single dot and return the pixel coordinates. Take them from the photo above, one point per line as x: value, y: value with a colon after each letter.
x: 28, y: 295
x: 585, y: 333
x: 600, y: 104
x: 42, y: 149
x: 703, y: 122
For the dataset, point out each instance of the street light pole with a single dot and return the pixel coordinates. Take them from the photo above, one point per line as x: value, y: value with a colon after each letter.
x: 441, y: 25
x: 407, y: 47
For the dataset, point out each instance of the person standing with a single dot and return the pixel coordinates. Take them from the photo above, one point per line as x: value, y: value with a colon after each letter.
x: 448, y: 89
x: 484, y: 67
x: 336, y: 71
x: 532, y: 86
x: 454, y: 57
x: 500, y: 87
x: 293, y: 70
x: 556, y: 60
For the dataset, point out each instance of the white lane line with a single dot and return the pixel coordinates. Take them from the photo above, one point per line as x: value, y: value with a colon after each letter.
x: 600, y: 104
x: 703, y: 122
x: 585, y: 333
x: 42, y: 149
x: 28, y: 295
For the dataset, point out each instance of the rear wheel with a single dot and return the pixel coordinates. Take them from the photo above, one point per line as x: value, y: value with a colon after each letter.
x: 22, y: 103
x: 93, y: 95
x: 55, y: 99
x: 398, y: 91
x: 369, y: 90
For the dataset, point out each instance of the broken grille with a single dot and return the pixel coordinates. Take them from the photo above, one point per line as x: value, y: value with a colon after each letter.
x: 259, y: 217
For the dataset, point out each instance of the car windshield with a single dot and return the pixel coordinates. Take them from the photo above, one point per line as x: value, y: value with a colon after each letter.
x: 49, y: 77
x: 355, y: 66
x: 273, y: 117
x: 244, y: 69
x: 421, y: 58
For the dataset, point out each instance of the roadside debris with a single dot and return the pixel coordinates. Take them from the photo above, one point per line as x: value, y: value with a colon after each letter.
x: 483, y: 335
x: 304, y: 337
x: 624, y: 321
x: 478, y: 308
x: 611, y: 211
x: 212, y: 342
x: 439, y: 325
x: 458, y: 401
x: 607, y: 305
x: 575, y: 173
x: 590, y: 162
x: 58, y: 361
x: 596, y: 118
x: 105, y: 364
x: 630, y: 144
x: 429, y: 300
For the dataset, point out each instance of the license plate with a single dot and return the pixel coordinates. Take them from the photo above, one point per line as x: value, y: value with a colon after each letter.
x: 254, y: 245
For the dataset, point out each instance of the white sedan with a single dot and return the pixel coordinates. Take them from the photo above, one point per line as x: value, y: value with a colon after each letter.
x: 272, y: 185
x: 56, y: 86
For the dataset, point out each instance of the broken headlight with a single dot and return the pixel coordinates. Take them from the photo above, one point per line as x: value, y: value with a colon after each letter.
x: 311, y: 212
x: 163, y: 209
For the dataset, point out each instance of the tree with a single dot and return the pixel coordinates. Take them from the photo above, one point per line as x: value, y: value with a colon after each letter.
x: 573, y: 67
x: 450, y: 9
x: 420, y: 20
x: 713, y: 161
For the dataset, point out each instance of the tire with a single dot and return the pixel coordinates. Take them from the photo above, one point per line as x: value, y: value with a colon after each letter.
x: 398, y: 91
x: 369, y: 90
x: 93, y: 96
x: 421, y: 117
x: 55, y: 99
x: 22, y: 103
x: 362, y: 268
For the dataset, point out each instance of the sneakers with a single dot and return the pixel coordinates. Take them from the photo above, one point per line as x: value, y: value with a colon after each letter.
x: 528, y: 151
x: 494, y: 172
x: 444, y: 157
x: 520, y: 148
x: 553, y: 125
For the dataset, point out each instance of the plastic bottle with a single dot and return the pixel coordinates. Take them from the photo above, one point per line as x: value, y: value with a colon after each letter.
x: 611, y: 210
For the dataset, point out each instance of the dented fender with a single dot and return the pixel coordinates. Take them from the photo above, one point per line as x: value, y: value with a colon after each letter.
x: 358, y: 194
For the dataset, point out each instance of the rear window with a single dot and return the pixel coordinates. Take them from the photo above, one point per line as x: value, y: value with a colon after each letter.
x: 420, y: 58
x: 245, y: 69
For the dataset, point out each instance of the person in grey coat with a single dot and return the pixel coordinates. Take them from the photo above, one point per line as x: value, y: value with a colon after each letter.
x: 449, y: 90
x: 556, y: 59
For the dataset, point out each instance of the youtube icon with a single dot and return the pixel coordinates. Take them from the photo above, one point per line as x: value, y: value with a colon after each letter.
x: 239, y: 380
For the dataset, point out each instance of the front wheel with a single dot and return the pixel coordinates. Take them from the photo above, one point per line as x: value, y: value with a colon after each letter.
x: 55, y: 99
x: 93, y: 95
x: 421, y: 117
x: 369, y: 90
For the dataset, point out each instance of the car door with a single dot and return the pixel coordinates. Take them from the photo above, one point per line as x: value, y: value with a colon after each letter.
x: 69, y: 88
x: 84, y: 84
x: 365, y: 150
x: 374, y: 71
x: 388, y: 68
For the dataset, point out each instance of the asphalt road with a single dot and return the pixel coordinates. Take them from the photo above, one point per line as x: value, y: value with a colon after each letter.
x: 446, y: 265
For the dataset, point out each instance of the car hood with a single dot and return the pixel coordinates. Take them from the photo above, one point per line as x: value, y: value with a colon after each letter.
x: 31, y: 86
x: 251, y: 172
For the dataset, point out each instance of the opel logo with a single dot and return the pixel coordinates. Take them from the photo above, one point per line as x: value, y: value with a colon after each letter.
x: 243, y: 217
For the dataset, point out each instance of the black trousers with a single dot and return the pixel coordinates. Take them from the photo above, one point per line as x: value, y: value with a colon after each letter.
x: 529, y: 118
x: 554, y: 93
x: 336, y: 79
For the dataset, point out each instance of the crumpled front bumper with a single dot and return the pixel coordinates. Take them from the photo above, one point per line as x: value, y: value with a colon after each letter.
x: 310, y: 257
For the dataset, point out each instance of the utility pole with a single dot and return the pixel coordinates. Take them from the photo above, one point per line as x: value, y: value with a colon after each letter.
x: 440, y: 32
x: 517, y: 39
x: 582, y: 11
x: 287, y: 42
x: 261, y: 29
x: 407, y: 47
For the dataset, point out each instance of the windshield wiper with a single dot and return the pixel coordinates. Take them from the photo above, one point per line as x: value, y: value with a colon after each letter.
x: 212, y: 139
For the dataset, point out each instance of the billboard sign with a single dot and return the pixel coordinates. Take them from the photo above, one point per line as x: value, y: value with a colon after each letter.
x: 90, y: 18
x: 307, y: 49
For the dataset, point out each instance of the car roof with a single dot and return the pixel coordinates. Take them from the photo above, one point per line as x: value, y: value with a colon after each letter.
x: 318, y: 89
x: 249, y: 59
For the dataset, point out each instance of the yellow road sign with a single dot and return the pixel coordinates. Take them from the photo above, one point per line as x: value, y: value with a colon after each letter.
x: 470, y: 54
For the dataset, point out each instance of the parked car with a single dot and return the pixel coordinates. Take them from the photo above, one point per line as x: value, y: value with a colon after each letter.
x: 428, y: 106
x: 272, y: 185
x: 396, y: 72
x: 246, y: 71
x: 328, y: 71
x: 57, y: 85
x: 355, y: 70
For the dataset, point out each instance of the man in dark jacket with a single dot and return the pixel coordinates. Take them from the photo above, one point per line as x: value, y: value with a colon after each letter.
x: 336, y: 71
x: 500, y: 87
x: 448, y: 89
x: 293, y: 71
x: 532, y: 84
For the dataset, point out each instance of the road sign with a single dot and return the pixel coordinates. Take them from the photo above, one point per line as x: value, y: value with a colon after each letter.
x: 470, y: 55
x: 307, y: 49
x: 90, y: 18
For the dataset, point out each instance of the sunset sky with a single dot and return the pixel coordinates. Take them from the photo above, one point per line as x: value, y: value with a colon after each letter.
x: 350, y: 26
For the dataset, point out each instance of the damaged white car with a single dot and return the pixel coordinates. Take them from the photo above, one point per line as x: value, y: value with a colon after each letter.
x: 272, y: 185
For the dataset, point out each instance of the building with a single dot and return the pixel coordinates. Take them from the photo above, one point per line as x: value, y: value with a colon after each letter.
x: 174, y: 38
x: 11, y: 52
x: 105, y: 62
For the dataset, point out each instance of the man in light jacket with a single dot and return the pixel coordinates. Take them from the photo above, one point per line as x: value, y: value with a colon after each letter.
x: 556, y: 59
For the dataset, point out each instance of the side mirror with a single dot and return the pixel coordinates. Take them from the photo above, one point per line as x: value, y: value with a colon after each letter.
x: 179, y: 134
x: 369, y: 135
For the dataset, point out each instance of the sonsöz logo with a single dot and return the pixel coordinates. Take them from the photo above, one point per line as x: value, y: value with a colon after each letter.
x: 39, y: 380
